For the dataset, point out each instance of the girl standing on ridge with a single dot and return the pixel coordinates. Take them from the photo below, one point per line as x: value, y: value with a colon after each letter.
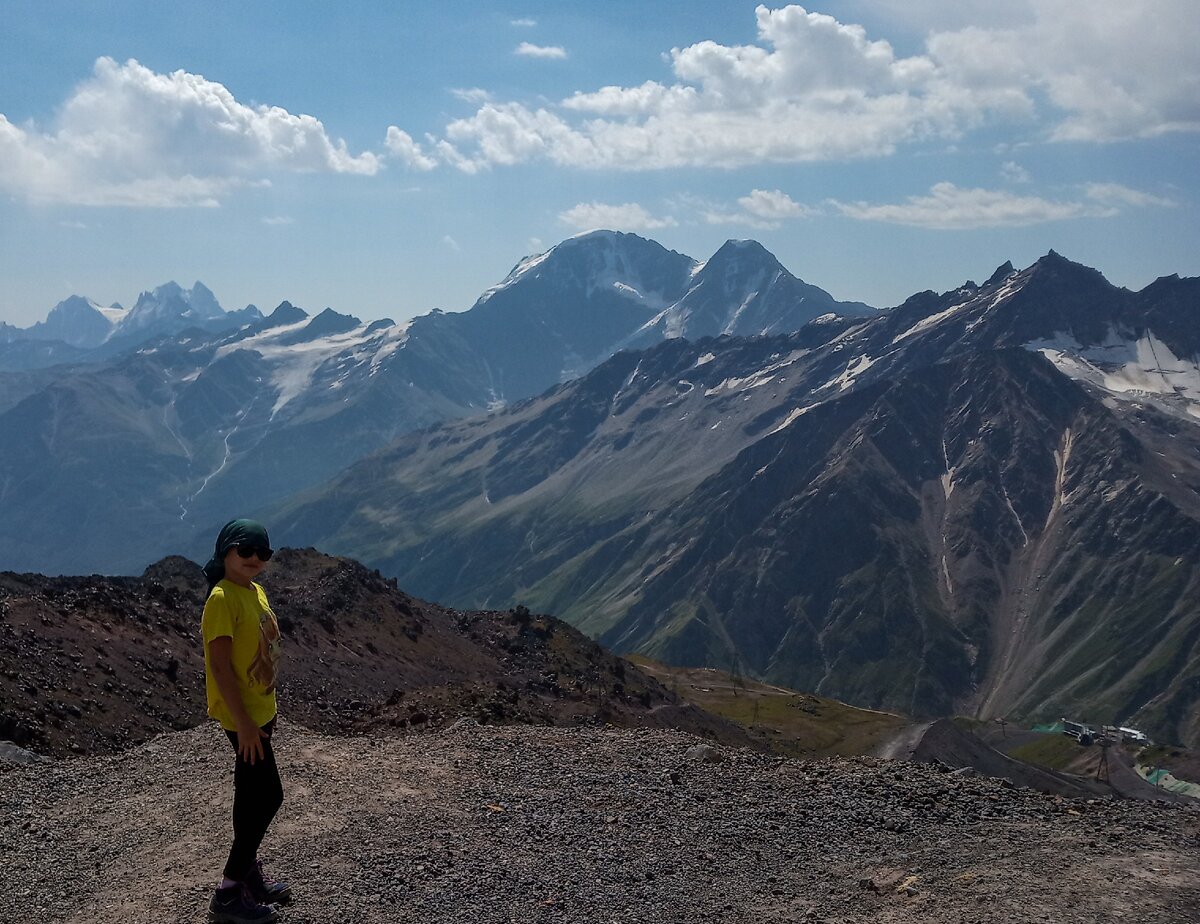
x: 241, y: 657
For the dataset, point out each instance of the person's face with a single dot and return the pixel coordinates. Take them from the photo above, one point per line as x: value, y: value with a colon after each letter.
x: 242, y: 570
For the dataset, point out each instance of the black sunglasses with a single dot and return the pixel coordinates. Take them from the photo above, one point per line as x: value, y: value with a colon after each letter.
x: 245, y: 551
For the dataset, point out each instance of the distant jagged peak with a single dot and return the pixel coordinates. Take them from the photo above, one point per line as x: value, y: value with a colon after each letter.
x: 746, y: 253
x: 166, y: 290
x: 1003, y: 271
x: 1054, y: 263
x: 286, y: 313
x: 742, y: 247
x: 202, y: 301
x: 76, y: 306
x: 171, y: 300
x: 77, y: 321
x: 247, y: 315
x: 331, y: 322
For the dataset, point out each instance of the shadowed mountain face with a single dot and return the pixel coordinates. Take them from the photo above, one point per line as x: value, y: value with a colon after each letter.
x: 168, y: 437
x: 984, y: 501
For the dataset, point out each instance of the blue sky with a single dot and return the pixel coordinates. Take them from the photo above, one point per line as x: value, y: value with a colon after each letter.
x: 385, y: 159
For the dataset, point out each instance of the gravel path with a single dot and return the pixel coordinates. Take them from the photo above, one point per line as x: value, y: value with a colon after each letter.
x: 518, y: 824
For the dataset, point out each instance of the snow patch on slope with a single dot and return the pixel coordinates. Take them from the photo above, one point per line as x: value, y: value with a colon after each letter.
x: 521, y: 269
x: 931, y: 321
x: 755, y: 379
x: 1127, y: 367
x: 853, y: 371
x: 793, y: 415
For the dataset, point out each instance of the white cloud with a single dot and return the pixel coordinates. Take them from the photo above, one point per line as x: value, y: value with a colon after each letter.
x: 948, y: 207
x: 762, y: 209
x: 627, y: 217
x: 277, y: 220
x: 647, y: 99
x: 476, y: 96
x: 1013, y: 172
x: 523, y: 23
x: 772, y: 205
x: 812, y: 88
x: 725, y: 216
x: 1116, y: 194
x: 1109, y: 69
x: 128, y: 136
x: 508, y: 133
x: 529, y: 50
x: 407, y: 151
x: 450, y: 242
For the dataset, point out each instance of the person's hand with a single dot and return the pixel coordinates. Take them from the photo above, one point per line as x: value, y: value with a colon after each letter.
x: 250, y: 738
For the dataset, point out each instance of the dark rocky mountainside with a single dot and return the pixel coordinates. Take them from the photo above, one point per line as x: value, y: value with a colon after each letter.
x: 984, y: 501
x: 94, y: 665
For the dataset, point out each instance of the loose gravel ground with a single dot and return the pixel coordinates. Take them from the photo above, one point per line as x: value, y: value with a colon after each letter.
x: 518, y: 824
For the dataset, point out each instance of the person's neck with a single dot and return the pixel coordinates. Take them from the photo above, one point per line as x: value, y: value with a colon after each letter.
x: 233, y: 580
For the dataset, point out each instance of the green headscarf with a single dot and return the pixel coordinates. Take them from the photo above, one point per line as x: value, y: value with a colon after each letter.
x: 233, y: 534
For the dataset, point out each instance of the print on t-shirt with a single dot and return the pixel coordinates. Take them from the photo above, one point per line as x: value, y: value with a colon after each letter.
x: 263, y: 668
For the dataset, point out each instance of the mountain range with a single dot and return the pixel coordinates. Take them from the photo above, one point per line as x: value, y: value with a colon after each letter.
x: 238, y: 411
x: 985, y: 500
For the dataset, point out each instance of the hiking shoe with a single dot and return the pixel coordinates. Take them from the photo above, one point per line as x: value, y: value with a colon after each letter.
x: 236, y: 905
x: 264, y: 888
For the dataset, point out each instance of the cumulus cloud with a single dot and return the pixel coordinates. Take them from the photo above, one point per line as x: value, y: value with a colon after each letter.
x: 451, y: 242
x: 949, y: 207
x: 629, y: 216
x: 763, y: 209
x: 523, y: 23
x: 1109, y: 70
x: 529, y: 50
x: 772, y: 205
x: 812, y: 88
x: 277, y: 220
x: 408, y: 151
x: 129, y: 136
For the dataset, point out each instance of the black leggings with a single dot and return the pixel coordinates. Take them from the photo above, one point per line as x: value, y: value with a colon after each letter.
x: 257, y: 795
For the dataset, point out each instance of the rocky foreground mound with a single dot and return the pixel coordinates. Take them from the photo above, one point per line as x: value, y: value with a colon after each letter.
x: 524, y: 824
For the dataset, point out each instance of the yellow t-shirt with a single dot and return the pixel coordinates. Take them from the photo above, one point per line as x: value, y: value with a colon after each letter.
x: 243, y: 614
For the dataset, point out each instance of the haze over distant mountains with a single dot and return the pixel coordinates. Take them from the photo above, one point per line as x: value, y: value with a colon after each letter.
x: 984, y: 500
x: 216, y: 411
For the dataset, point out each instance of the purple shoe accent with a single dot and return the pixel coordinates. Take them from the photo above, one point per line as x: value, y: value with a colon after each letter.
x: 236, y: 905
x: 264, y: 888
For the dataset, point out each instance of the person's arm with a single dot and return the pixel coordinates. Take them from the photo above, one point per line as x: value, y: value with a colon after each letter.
x: 220, y: 656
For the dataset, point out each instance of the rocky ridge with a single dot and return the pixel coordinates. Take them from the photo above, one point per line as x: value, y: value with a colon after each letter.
x: 96, y: 664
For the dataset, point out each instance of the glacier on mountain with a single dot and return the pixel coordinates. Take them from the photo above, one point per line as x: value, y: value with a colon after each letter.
x: 1129, y: 367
